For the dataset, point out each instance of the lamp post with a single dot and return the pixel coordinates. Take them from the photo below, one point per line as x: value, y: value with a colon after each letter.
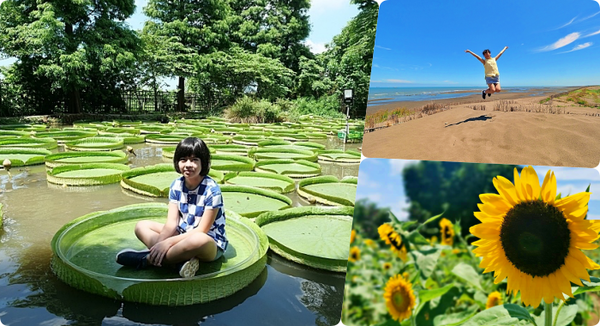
x: 348, y: 98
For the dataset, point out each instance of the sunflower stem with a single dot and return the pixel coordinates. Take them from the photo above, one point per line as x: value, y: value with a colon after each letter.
x: 548, y: 312
x: 558, y: 312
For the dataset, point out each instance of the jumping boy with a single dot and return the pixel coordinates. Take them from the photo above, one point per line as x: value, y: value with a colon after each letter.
x: 492, y: 76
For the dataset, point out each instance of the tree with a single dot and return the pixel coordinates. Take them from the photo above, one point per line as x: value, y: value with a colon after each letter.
x: 450, y: 188
x: 200, y: 25
x: 349, y: 57
x: 368, y: 217
x: 69, y: 47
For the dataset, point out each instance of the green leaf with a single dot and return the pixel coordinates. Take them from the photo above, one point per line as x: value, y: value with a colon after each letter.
x: 416, y: 238
x: 455, y: 318
x: 406, y: 225
x: 468, y: 273
x: 425, y: 262
x: 431, y: 219
x: 427, y: 295
x: 505, y: 315
x: 594, y: 286
x: 566, y: 315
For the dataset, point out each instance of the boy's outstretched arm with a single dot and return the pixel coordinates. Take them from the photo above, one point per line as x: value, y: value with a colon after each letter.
x: 499, y: 54
x: 475, y: 55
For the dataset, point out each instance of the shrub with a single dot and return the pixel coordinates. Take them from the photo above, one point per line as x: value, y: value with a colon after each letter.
x: 248, y: 110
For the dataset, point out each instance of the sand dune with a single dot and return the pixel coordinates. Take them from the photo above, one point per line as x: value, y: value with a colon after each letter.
x: 466, y: 135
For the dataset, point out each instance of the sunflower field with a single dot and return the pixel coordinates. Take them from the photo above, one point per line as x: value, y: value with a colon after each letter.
x: 532, y: 260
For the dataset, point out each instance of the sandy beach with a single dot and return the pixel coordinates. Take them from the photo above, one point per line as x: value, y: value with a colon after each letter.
x: 529, y: 135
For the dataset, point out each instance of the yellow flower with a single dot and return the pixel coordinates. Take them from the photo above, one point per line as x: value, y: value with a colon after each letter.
x: 354, y: 254
x: 399, y: 298
x: 494, y: 299
x: 391, y: 237
x: 433, y: 240
x: 369, y: 242
x: 406, y: 275
x: 352, y: 236
x: 533, y: 239
x: 447, y: 231
x: 456, y: 251
x: 387, y: 266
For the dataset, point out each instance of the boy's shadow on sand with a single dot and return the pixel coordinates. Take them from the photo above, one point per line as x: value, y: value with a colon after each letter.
x: 484, y: 117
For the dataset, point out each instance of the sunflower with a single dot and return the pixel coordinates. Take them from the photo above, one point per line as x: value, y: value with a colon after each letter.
x: 399, y: 297
x: 533, y: 239
x: 494, y: 299
x: 433, y: 240
x: 354, y: 254
x: 391, y: 237
x: 447, y: 231
x: 352, y: 236
x: 369, y: 243
x: 387, y: 266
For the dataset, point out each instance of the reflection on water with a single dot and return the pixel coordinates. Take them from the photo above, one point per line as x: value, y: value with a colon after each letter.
x: 285, y: 293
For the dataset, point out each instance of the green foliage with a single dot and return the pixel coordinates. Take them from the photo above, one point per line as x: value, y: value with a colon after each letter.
x: 368, y: 217
x: 449, y: 187
x: 248, y: 110
x: 325, y: 106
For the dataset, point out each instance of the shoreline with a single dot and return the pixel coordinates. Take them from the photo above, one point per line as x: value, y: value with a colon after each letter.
x: 469, y: 99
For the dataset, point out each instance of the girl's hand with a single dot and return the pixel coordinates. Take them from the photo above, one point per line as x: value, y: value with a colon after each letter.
x: 467, y: 51
x: 158, y: 252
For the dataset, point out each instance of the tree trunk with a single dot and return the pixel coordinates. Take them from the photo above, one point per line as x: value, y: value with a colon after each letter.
x: 181, y: 95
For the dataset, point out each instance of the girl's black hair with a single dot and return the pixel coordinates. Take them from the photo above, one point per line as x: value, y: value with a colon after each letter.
x: 196, y: 147
x: 487, y: 50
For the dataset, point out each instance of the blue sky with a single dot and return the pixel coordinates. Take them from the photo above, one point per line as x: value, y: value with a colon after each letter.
x: 423, y: 43
x: 380, y: 180
x: 327, y: 18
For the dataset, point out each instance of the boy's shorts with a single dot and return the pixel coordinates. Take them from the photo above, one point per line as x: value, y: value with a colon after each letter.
x: 220, y: 253
x: 492, y: 80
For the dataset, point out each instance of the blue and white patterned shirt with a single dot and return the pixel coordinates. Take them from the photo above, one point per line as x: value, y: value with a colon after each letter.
x: 192, y: 204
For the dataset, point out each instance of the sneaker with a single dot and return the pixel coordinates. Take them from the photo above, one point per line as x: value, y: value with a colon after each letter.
x: 489, y: 94
x: 133, y: 258
x: 483, y: 94
x: 190, y: 268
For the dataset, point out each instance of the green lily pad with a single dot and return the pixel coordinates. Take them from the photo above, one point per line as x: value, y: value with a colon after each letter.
x: 252, y: 201
x: 65, y: 136
x: 230, y: 149
x: 25, y: 142
x: 315, y: 236
x: 275, y: 153
x: 84, y: 252
x: 128, y: 139
x: 340, y: 156
x: 228, y: 163
x: 95, y: 144
x: 270, y: 181
x: 165, y: 139
x: 155, y: 180
x: 69, y: 158
x: 290, y: 168
x: 329, y: 190
x: 23, y: 156
x: 248, y: 140
x: 90, y: 174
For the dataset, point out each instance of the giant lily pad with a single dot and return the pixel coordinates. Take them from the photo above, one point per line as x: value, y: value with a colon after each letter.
x: 128, y: 139
x: 314, y: 236
x: 84, y: 251
x: 230, y: 149
x: 19, y: 156
x: 47, y: 143
x: 329, y: 190
x: 275, y: 153
x: 95, y: 144
x: 251, y: 140
x: 70, y: 158
x: 228, y: 163
x: 165, y: 139
x: 90, y: 174
x: 270, y: 181
x: 155, y: 180
x: 252, y: 201
x: 340, y: 156
x: 65, y: 136
x: 290, y: 168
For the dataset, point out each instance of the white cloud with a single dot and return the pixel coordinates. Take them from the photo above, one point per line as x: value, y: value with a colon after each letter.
x: 561, y: 42
x: 580, y: 47
x: 569, y: 23
x: 364, y: 180
x: 395, y: 81
x: 399, y: 210
x: 563, y: 173
x: 381, y: 47
x: 572, y: 189
x: 396, y: 166
x: 321, y: 6
x: 593, y: 217
x: 315, y: 48
x: 374, y: 197
x: 594, y: 33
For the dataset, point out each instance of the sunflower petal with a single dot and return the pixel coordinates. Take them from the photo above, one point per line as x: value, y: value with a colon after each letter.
x: 573, y: 202
x: 548, y: 191
x: 531, y: 183
x: 563, y: 283
x: 506, y: 189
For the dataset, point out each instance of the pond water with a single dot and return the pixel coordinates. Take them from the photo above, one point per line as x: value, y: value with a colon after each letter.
x: 285, y: 293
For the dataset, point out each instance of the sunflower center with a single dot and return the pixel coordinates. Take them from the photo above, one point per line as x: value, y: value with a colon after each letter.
x: 536, y: 237
x: 399, y: 300
x: 395, y: 241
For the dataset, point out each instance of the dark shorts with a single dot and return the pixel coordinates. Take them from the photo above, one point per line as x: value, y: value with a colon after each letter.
x: 220, y: 253
x: 492, y: 80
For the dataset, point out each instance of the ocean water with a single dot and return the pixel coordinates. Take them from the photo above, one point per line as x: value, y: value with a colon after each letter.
x: 382, y: 95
